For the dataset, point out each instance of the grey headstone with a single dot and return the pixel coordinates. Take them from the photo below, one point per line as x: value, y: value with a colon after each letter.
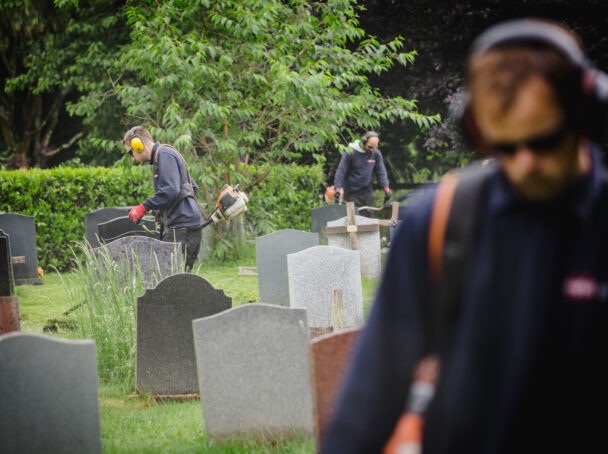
x: 99, y: 216
x: 319, y: 217
x: 253, y: 371
x: 22, y: 232
x: 165, y: 347
x: 115, y: 228
x: 368, y: 244
x: 314, y: 273
x: 7, y: 282
x: 156, y: 259
x: 271, y: 256
x: 49, y: 401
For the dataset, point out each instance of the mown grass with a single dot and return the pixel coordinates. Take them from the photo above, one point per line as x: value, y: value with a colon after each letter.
x: 142, y: 425
x: 139, y: 424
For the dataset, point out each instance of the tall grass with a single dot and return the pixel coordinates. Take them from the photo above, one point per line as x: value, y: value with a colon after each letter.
x: 104, y: 298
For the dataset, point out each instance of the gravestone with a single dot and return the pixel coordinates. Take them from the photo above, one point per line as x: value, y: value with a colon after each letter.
x: 165, y: 347
x: 329, y: 361
x: 271, y: 257
x: 319, y: 217
x: 315, y: 273
x: 22, y: 233
x: 116, y: 228
x: 156, y: 259
x: 49, y: 397
x: 368, y: 242
x: 99, y: 216
x: 253, y: 371
x: 7, y: 282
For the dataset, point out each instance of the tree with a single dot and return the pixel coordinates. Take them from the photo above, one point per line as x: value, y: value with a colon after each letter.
x: 49, y: 57
x: 261, y: 82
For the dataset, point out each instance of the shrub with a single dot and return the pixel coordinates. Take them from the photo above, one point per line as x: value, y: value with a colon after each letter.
x: 284, y: 199
x: 59, y: 198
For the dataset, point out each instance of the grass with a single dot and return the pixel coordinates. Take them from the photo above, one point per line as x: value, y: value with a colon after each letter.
x: 139, y: 424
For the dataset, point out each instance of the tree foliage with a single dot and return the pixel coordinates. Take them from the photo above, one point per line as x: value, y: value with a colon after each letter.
x: 255, y: 81
x: 49, y: 57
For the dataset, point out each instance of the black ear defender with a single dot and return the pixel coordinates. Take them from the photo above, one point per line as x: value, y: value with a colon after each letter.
x: 135, y: 141
x: 367, y: 135
x: 592, y: 83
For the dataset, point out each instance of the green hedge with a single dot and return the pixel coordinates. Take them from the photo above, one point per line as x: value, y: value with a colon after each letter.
x: 60, y: 197
x: 284, y: 199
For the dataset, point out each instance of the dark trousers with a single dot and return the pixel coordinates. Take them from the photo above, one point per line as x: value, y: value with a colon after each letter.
x: 362, y: 198
x: 190, y: 239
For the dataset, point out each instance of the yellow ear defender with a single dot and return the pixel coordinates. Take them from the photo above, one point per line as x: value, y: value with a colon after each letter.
x: 135, y: 141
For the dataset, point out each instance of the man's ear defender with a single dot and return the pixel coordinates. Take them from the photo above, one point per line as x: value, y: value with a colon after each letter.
x: 135, y: 141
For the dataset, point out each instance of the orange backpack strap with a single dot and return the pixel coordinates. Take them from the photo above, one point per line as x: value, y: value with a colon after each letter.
x: 453, y: 225
x: 438, y: 224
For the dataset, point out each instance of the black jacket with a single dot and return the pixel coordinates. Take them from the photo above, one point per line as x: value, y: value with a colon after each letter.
x: 167, y: 187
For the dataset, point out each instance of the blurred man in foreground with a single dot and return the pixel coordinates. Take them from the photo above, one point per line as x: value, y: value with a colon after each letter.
x: 518, y: 342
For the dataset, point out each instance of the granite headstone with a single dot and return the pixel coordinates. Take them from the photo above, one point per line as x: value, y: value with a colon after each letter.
x: 329, y: 360
x: 99, y: 216
x: 271, y: 258
x: 253, y: 371
x: 155, y: 259
x: 22, y: 233
x: 49, y: 397
x: 315, y: 273
x: 7, y: 282
x: 368, y: 244
x: 165, y: 348
x: 319, y: 217
x: 116, y: 228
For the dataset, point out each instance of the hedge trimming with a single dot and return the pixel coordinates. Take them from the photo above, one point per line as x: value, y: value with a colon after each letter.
x: 60, y: 197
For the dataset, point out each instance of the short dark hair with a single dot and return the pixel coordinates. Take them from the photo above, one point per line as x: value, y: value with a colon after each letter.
x: 504, y: 69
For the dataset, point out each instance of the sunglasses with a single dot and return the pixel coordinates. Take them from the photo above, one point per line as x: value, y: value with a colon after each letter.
x: 541, y: 144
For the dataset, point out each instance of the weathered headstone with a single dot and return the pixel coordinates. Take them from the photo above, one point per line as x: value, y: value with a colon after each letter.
x: 165, y: 348
x: 329, y: 360
x: 156, y: 259
x: 319, y: 217
x: 7, y: 282
x: 271, y: 256
x: 314, y: 274
x: 99, y: 216
x: 254, y: 372
x: 368, y: 242
x: 49, y: 397
x: 116, y: 228
x: 22, y: 233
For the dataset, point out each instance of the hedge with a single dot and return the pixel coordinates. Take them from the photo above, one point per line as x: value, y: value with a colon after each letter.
x: 60, y: 197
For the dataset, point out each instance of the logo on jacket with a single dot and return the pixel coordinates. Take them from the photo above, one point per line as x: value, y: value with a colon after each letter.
x: 582, y: 288
x: 371, y: 161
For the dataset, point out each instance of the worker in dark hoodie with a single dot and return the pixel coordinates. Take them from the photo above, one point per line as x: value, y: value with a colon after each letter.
x: 356, y: 172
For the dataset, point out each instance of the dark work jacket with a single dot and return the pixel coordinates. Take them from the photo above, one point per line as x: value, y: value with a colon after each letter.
x: 166, y: 189
x: 523, y: 365
x: 356, y: 169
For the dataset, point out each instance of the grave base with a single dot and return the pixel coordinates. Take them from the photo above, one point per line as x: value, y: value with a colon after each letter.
x: 28, y: 281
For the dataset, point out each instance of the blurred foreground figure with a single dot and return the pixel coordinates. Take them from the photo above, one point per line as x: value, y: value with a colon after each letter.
x: 489, y: 329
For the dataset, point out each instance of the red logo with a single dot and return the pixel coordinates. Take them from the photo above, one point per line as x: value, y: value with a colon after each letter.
x: 581, y: 288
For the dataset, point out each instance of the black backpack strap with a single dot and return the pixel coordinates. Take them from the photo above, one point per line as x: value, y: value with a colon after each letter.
x: 455, y: 221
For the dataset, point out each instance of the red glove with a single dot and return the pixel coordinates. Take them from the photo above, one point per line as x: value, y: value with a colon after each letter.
x: 387, y: 194
x: 137, y: 212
